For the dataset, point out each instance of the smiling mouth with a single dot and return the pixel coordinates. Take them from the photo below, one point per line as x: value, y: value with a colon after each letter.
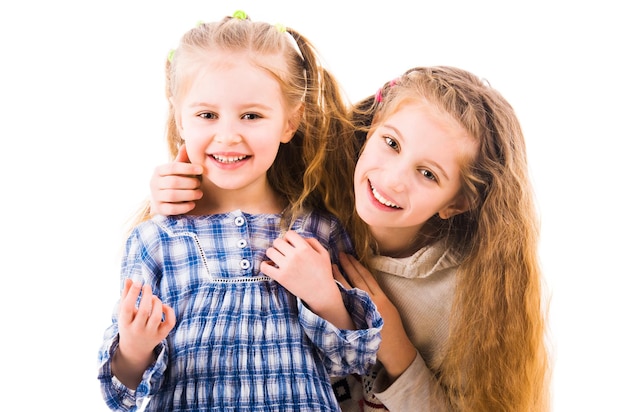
x: 228, y: 159
x: 382, y: 200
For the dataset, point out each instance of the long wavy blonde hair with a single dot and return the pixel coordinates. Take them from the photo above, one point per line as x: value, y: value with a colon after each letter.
x: 497, y: 357
x: 313, y: 170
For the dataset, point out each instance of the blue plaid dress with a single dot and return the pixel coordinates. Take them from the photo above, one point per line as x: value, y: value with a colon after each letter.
x: 241, y: 341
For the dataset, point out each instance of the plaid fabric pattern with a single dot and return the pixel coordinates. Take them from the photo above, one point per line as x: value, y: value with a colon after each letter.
x: 241, y: 341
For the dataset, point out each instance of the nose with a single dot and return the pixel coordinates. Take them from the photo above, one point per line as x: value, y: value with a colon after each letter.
x: 227, y: 133
x: 396, y: 178
x: 398, y: 175
x: 228, y: 138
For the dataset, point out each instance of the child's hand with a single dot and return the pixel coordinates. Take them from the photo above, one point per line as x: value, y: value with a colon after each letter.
x: 300, y: 265
x: 175, y: 186
x: 303, y: 267
x: 141, y: 329
x: 396, y: 351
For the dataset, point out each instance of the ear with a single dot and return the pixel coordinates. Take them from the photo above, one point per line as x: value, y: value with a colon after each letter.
x: 459, y: 205
x: 292, y: 123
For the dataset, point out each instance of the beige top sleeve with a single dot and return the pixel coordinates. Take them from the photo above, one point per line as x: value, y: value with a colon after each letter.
x: 415, y: 390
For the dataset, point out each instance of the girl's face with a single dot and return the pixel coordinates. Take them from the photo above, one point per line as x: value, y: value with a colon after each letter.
x: 409, y: 170
x: 233, y: 119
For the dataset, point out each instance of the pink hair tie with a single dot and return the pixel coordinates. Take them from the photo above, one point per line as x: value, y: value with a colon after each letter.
x: 379, y: 93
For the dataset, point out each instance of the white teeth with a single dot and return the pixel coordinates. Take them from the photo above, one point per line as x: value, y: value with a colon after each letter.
x: 228, y: 159
x: 382, y: 200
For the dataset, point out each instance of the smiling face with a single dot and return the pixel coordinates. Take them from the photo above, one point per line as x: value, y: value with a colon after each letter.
x: 410, y: 170
x: 233, y: 120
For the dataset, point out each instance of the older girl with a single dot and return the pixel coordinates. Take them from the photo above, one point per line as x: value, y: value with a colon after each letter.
x: 452, y: 233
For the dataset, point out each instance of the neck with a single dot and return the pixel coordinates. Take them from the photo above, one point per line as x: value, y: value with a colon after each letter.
x: 400, y: 242
x: 217, y: 200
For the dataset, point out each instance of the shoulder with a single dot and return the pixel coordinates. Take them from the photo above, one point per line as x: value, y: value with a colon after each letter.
x: 164, y: 226
x: 326, y: 228
x: 432, y: 259
x: 318, y: 221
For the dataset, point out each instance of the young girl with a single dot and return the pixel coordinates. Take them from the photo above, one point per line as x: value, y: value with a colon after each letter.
x: 233, y: 306
x: 442, y: 184
x: 449, y: 231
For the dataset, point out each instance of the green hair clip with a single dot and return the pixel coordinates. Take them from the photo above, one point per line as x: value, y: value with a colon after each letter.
x: 280, y: 27
x: 240, y: 14
x: 170, y: 55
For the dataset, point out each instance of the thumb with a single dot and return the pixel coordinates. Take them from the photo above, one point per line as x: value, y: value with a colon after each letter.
x: 182, y: 155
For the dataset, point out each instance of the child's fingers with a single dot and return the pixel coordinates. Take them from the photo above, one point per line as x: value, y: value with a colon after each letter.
x: 188, y: 170
x: 128, y: 283
x: 129, y: 297
x: 145, y: 305
x: 173, y: 209
x: 340, y: 278
x: 182, y: 156
x: 177, y: 182
x: 280, y: 246
x: 357, y: 274
x: 156, y: 313
x: 316, y: 245
x: 298, y: 241
x: 276, y: 259
x: 294, y: 238
x: 168, y: 319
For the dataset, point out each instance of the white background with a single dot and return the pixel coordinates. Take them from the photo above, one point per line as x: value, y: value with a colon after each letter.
x: 82, y: 112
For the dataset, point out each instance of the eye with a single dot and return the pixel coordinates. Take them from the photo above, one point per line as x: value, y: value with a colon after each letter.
x: 207, y: 115
x: 392, y: 143
x: 428, y: 174
x: 250, y: 116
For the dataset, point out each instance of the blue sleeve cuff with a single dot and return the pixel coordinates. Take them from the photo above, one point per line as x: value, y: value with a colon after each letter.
x: 118, y: 396
x: 346, y: 351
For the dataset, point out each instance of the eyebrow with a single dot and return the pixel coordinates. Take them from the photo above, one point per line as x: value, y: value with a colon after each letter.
x: 432, y: 162
x: 247, y: 106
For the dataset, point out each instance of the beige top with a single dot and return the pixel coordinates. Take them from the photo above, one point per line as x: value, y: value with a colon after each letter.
x: 422, y: 288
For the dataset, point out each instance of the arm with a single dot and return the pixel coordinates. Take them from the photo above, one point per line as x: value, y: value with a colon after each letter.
x: 396, y: 351
x: 141, y: 329
x: 404, y: 382
x: 303, y: 267
x: 416, y: 389
x: 127, y: 380
x: 343, y: 324
x: 131, y: 360
x: 175, y: 186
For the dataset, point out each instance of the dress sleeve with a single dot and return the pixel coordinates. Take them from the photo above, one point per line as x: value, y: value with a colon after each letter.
x: 343, y: 351
x: 116, y: 395
x: 346, y: 351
